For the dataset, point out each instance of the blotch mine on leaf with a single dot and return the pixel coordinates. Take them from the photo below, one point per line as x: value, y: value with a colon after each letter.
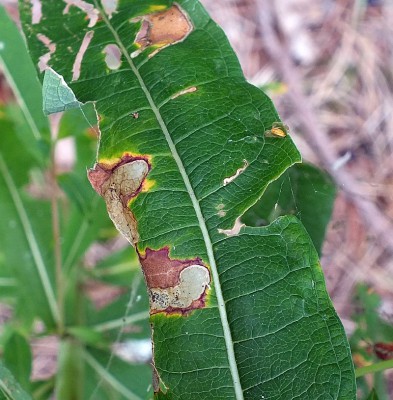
x: 118, y: 184
x: 278, y: 129
x: 238, y: 172
x: 163, y: 28
x: 175, y: 286
x: 112, y: 56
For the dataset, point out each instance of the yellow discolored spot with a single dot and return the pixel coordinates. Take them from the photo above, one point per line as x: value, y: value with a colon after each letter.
x: 155, y: 8
x: 278, y: 129
x: 148, y: 184
x: 111, y: 163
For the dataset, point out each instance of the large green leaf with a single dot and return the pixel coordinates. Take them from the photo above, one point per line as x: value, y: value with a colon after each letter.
x: 9, y: 387
x: 25, y: 231
x: 17, y: 358
x: 32, y: 125
x: 373, y: 395
x: 187, y: 146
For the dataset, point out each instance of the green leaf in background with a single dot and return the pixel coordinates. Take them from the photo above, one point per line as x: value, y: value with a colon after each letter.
x: 70, y: 377
x: 25, y: 230
x: 120, y: 381
x: 16, y: 65
x: 303, y: 190
x: 236, y: 312
x: 9, y: 387
x: 17, y: 358
x: 373, y: 395
x: 371, y: 329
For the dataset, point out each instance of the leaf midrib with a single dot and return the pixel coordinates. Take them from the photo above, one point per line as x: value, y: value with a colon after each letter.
x: 198, y: 212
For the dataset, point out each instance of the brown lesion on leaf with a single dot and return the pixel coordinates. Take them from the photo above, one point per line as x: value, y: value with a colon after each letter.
x: 163, y: 28
x: 174, y: 286
x: 119, y: 183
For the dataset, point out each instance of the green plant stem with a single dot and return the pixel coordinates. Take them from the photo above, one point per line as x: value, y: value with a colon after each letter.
x: 56, y: 240
x: 373, y: 368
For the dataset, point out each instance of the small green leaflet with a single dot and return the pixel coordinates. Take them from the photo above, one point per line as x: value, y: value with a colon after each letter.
x: 57, y: 96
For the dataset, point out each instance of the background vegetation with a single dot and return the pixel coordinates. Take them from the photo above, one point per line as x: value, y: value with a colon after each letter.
x: 330, y: 64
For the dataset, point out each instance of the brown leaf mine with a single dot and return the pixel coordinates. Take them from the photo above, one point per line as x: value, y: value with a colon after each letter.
x: 118, y: 185
x: 164, y: 28
x: 174, y: 285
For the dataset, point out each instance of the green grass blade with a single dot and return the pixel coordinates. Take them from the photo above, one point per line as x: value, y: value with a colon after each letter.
x: 21, y: 76
x: 9, y: 388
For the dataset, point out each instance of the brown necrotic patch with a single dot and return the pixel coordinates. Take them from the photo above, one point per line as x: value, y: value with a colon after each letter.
x: 118, y: 184
x: 164, y: 28
x: 175, y: 286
